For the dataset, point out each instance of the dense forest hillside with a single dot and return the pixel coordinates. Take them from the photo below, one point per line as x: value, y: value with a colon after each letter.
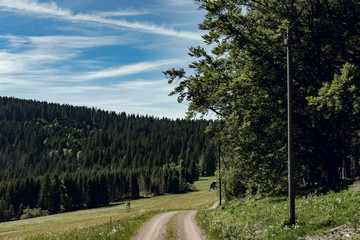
x: 59, y: 158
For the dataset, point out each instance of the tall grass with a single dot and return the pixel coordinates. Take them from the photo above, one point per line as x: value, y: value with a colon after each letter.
x: 267, y: 218
x: 121, y: 229
x: 171, y: 228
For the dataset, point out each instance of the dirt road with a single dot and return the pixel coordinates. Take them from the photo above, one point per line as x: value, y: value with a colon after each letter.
x: 187, y: 227
x: 155, y: 229
x: 214, y: 206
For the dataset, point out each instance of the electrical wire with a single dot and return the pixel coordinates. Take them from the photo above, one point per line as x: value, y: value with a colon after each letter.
x: 302, y: 14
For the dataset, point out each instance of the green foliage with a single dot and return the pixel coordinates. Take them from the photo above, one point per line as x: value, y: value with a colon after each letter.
x: 32, y: 213
x: 232, y: 183
x: 267, y: 218
x: 171, y: 229
x: 242, y: 78
x: 341, y: 96
x: 62, y: 158
x: 337, y: 106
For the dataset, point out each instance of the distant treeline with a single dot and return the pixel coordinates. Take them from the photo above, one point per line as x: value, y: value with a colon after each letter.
x: 61, y: 158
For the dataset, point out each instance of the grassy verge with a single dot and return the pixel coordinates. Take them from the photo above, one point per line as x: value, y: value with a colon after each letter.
x: 267, y: 218
x: 171, y: 229
x: 93, y: 222
x: 121, y: 229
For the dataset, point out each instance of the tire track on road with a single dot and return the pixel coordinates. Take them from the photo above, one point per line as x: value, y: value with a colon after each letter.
x: 188, y: 228
x: 155, y: 229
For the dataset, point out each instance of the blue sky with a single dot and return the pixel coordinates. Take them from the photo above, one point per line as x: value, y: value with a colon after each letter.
x: 106, y: 54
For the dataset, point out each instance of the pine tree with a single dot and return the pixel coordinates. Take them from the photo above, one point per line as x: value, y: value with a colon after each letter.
x: 54, y: 195
x: 134, y: 186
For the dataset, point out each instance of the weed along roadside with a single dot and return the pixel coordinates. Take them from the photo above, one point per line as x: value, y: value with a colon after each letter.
x: 111, y: 222
x: 323, y: 213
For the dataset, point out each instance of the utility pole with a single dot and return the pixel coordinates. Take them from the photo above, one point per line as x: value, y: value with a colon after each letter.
x: 291, y: 185
x: 219, y: 175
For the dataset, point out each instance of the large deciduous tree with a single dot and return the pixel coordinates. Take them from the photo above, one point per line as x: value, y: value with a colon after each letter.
x: 243, y: 80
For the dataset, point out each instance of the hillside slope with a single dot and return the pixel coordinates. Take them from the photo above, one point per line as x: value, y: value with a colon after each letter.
x: 60, y: 158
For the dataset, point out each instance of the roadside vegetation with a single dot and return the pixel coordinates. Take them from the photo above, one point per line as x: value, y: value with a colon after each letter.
x: 121, y: 229
x: 327, y: 210
x: 171, y: 228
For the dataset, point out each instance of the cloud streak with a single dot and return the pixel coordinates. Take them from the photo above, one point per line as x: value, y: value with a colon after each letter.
x: 24, y: 52
x: 62, y: 41
x: 126, y: 70
x: 22, y: 62
x: 74, y: 42
x: 53, y: 11
x: 120, y: 13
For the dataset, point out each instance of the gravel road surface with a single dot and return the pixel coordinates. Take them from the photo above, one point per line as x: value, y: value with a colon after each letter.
x: 187, y: 228
x: 155, y: 229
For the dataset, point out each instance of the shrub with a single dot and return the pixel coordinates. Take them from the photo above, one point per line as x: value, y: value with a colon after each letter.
x: 33, y: 212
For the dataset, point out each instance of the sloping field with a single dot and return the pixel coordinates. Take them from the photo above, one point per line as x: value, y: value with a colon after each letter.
x: 64, y: 222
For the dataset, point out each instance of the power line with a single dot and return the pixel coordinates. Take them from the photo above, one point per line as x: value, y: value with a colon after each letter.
x: 302, y: 14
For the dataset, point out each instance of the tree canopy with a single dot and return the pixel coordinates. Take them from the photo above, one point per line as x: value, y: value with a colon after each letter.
x: 242, y: 78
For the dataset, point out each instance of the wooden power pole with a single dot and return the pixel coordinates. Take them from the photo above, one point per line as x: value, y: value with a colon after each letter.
x: 219, y: 175
x: 291, y: 185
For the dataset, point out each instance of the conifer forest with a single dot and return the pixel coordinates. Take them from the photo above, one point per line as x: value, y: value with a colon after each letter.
x: 56, y: 158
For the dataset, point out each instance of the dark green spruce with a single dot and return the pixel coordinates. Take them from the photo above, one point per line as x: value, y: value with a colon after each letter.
x: 56, y: 158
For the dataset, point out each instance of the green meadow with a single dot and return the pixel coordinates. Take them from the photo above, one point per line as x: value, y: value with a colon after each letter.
x: 112, y: 222
x: 321, y: 211
x: 318, y: 211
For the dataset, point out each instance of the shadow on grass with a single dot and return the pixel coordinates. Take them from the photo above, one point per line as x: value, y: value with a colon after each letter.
x: 203, y: 179
x: 115, y: 204
x: 324, y: 189
x: 317, y: 190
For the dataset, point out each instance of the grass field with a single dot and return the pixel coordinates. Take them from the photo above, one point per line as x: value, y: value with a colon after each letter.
x: 317, y: 211
x: 108, y: 222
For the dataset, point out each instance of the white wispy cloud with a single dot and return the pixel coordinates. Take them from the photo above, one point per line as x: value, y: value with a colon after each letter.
x: 34, y: 63
x: 31, y: 55
x: 126, y: 70
x: 145, y: 85
x: 62, y: 41
x: 34, y: 7
x: 23, y: 62
x: 75, y: 42
x: 180, y: 2
x: 120, y: 13
x: 52, y: 10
